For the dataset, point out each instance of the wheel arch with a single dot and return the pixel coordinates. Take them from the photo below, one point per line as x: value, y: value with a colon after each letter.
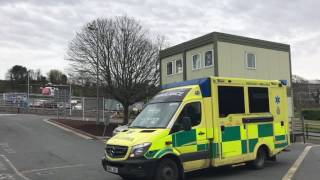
x: 177, y: 160
x: 264, y: 147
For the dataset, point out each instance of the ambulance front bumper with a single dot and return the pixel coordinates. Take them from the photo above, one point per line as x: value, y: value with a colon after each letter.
x: 140, y: 168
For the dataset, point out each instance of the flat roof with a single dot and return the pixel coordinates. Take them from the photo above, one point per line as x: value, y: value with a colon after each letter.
x: 222, y: 37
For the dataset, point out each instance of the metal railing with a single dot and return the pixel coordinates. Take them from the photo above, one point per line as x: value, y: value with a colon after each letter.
x: 297, y: 129
x: 312, y: 130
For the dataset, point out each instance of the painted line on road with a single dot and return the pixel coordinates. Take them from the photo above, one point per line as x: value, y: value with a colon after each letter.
x: 291, y: 172
x: 14, y: 168
x: 8, y: 114
x: 69, y: 130
x: 52, y: 168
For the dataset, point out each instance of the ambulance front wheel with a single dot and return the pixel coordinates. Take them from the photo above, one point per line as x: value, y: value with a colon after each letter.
x: 167, y: 169
x: 260, y: 160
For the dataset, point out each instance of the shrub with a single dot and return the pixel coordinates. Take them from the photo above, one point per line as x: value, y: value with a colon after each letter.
x: 311, y: 114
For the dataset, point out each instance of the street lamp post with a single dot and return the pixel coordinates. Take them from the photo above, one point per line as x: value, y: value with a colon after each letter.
x: 92, y: 27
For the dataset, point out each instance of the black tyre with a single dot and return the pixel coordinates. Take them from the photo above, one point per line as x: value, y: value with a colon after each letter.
x: 260, y: 160
x: 273, y: 158
x: 167, y: 169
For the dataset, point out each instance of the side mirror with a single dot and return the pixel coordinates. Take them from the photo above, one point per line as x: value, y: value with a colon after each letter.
x: 186, y: 123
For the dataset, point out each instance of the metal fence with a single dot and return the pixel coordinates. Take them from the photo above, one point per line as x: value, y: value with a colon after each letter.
x: 306, y: 95
x: 312, y: 130
x: 61, y: 106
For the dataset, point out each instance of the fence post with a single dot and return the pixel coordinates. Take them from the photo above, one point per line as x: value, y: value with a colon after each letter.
x: 291, y: 124
x: 305, y: 130
x: 58, y: 112
x: 103, y: 110
x: 83, y: 108
x: 65, y: 104
x: 70, y: 99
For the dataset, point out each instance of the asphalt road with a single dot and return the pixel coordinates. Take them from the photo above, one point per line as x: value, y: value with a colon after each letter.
x: 31, y: 149
x: 310, y: 167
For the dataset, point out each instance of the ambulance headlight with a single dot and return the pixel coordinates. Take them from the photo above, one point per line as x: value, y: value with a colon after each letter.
x: 139, y: 150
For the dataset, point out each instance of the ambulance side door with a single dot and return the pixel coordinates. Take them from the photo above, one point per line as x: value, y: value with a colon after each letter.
x: 231, y: 109
x: 192, y: 144
x: 280, y: 111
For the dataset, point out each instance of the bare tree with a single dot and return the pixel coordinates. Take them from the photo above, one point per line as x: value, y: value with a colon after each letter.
x: 121, y: 51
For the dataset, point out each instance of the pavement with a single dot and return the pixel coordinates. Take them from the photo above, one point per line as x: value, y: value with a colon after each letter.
x: 31, y: 149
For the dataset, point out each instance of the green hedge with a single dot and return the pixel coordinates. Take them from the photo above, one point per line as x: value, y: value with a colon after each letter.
x: 311, y: 114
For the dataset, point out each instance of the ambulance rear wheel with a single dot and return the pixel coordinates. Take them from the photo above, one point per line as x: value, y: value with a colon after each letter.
x: 167, y: 170
x: 260, y: 160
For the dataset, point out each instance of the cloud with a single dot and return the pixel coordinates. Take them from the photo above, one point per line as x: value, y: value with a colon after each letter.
x: 35, y: 33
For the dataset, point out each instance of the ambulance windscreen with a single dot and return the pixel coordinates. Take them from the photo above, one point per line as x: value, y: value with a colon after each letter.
x: 176, y: 95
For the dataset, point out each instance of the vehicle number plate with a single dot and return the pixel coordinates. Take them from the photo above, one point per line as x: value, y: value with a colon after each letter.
x: 112, y: 169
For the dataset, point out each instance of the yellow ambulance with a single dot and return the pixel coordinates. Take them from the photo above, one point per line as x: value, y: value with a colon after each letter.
x: 196, y: 124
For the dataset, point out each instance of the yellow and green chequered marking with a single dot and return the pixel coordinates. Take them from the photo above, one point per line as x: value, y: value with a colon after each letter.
x: 184, y: 138
x: 231, y: 134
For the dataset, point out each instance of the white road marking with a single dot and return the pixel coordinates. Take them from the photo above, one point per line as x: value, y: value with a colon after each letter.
x: 52, y: 168
x: 14, y: 168
x: 69, y: 130
x: 297, y: 163
x: 8, y: 114
x: 3, y: 167
x: 6, y: 148
x: 6, y: 177
x: 45, y: 173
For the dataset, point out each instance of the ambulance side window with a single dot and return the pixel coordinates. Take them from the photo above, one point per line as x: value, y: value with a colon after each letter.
x: 231, y: 100
x: 258, y: 99
x: 191, y: 110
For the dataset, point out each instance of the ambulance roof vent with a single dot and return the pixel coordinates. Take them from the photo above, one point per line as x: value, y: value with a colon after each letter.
x: 204, y: 83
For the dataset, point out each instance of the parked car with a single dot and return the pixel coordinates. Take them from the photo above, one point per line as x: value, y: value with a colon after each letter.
x: 77, y: 106
x: 120, y: 129
x: 38, y: 103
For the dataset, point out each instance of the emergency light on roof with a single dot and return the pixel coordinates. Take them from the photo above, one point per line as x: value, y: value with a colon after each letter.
x: 204, y: 83
x: 284, y: 82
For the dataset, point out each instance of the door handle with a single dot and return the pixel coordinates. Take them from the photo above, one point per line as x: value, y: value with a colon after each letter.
x: 201, y: 133
x: 168, y: 143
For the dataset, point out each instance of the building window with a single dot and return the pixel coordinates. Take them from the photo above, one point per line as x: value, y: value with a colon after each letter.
x: 179, y: 66
x: 208, y: 59
x: 169, y: 68
x: 231, y: 100
x: 196, y: 62
x: 258, y: 100
x: 251, y: 60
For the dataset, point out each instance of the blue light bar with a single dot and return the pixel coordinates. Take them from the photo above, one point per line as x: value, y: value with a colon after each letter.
x: 284, y: 82
x: 204, y: 83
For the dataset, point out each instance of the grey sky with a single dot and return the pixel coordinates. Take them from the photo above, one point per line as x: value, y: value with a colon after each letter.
x: 35, y: 33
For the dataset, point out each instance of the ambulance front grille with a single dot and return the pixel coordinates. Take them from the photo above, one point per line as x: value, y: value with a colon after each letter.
x: 115, y: 151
